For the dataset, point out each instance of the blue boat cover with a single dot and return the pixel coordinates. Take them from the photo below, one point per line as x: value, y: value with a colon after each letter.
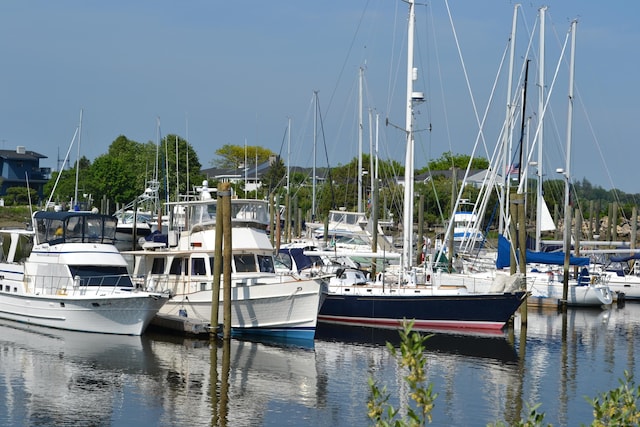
x: 553, y: 258
x: 624, y: 258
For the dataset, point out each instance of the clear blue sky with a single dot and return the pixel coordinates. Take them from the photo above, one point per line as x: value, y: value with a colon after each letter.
x: 228, y: 72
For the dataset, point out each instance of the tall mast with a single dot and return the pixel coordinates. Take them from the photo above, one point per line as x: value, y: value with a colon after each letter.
x: 288, y: 154
x: 75, y: 196
x: 567, y: 169
x: 407, y: 249
x: 315, y: 133
x: 539, y: 199
x: 506, y: 136
x: 360, y: 125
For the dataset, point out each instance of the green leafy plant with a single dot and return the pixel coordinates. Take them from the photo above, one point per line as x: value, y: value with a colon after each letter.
x: 411, y: 357
x: 618, y: 407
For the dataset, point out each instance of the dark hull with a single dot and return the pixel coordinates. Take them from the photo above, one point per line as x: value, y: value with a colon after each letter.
x: 478, y: 312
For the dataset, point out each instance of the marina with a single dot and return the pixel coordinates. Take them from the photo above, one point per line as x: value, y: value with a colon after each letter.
x: 52, y: 377
x: 251, y: 294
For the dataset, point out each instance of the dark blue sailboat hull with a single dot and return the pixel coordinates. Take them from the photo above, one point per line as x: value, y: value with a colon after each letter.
x: 477, y: 312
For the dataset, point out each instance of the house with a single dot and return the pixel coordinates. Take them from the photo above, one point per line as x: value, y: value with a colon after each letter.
x: 253, y: 175
x: 477, y: 177
x: 19, y: 167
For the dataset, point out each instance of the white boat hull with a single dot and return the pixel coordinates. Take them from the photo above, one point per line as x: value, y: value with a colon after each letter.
x: 290, y: 307
x: 628, y: 285
x: 125, y: 314
x: 587, y: 295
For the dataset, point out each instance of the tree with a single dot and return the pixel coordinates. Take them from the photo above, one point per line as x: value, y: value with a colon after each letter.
x: 460, y: 161
x: 19, y: 196
x: 177, y: 156
x: 275, y: 176
x: 233, y: 156
x: 64, y: 189
x: 123, y: 173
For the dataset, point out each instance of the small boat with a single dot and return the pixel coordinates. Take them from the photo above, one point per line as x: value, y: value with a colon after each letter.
x: 466, y: 230
x: 74, y: 278
x: 621, y: 279
x: 263, y: 302
x: 588, y: 290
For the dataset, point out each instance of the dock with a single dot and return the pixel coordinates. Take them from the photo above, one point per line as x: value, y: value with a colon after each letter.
x: 180, y: 325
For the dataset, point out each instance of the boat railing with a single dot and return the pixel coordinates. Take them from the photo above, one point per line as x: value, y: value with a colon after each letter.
x: 87, y: 285
x: 182, y: 284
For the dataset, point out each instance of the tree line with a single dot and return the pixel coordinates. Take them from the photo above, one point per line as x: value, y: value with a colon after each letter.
x: 123, y: 172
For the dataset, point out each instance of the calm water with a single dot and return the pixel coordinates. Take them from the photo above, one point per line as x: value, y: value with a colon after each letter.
x: 52, y: 378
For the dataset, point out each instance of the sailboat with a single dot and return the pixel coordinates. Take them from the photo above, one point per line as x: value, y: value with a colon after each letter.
x: 546, y: 281
x: 431, y: 307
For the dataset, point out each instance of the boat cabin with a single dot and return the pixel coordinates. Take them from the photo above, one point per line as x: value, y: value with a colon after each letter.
x: 74, y: 227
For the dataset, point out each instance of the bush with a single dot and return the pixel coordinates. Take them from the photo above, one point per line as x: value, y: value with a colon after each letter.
x: 618, y: 407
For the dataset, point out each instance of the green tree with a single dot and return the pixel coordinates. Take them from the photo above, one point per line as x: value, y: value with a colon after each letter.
x: 20, y: 196
x: 448, y: 160
x: 274, y: 177
x: 233, y: 156
x: 63, y: 190
x: 177, y: 156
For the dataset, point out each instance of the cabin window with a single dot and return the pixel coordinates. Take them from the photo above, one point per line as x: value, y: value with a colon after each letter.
x: 266, y: 263
x: 74, y: 229
x: 94, y: 229
x: 198, y: 267
x: 158, y: 266
x: 101, y: 275
x: 245, y: 263
x: 176, y: 267
x: 284, y: 260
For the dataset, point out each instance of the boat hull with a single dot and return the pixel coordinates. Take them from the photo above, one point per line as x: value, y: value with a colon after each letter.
x: 579, y: 296
x: 486, y: 312
x: 285, y: 309
x: 124, y: 314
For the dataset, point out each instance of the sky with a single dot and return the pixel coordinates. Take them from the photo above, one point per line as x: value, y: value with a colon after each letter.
x: 241, y: 73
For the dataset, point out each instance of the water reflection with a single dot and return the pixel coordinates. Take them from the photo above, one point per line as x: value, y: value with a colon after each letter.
x: 50, y: 377
x: 55, y: 377
x: 250, y: 377
x: 493, y: 346
x: 576, y: 354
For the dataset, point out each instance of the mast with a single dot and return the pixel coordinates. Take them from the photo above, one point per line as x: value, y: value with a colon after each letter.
x: 75, y: 196
x: 567, y: 170
x: 407, y: 249
x: 506, y: 136
x: 539, y: 199
x: 360, y: 125
x: 246, y: 167
x: 315, y: 134
x: 288, y: 154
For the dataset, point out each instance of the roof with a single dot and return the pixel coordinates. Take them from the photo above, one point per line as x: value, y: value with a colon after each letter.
x: 62, y: 215
x: 21, y: 155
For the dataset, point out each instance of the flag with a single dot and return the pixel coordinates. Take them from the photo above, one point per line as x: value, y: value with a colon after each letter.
x: 514, y: 169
